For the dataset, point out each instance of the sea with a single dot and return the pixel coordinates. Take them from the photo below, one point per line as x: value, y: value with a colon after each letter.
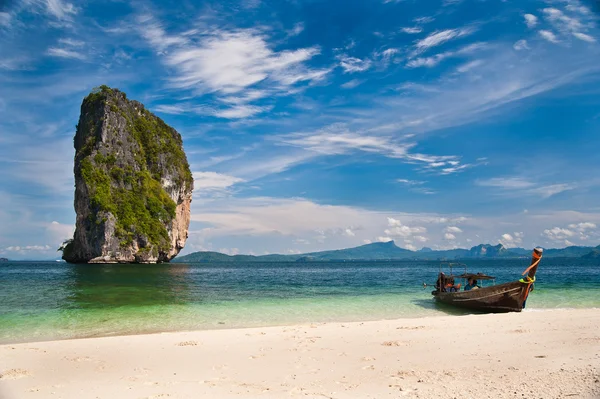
x: 42, y: 301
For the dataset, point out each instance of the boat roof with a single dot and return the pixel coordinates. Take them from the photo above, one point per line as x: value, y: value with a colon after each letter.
x: 476, y: 276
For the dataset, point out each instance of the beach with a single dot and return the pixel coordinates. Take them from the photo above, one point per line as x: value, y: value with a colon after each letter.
x: 533, y: 354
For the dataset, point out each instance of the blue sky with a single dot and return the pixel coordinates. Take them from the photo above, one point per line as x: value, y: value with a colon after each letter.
x: 314, y: 125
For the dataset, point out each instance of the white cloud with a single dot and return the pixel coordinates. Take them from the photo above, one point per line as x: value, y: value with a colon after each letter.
x: 469, y: 65
x: 64, y: 53
x: 60, y: 9
x: 71, y: 42
x: 273, y: 224
x: 509, y: 183
x: 569, y: 24
x: 531, y: 20
x: 449, y: 236
x: 561, y: 21
x: 60, y: 232
x: 27, y: 248
x: 511, y: 241
x: 428, y: 61
x: 549, y: 36
x: 412, y: 30
x: 5, y: 19
x: 553, y: 189
x: 337, y: 139
x: 153, y: 32
x: 521, y: 45
x: 440, y: 37
x: 296, y: 30
x: 557, y: 234
x: 230, y: 62
x: 410, y: 182
x: 397, y: 229
x: 423, y: 20
x: 213, y: 180
x: 453, y: 229
x: 240, y: 111
x: 583, y: 226
x: 351, y: 84
x: 585, y: 37
x: 353, y: 64
x: 437, y: 58
x: 578, y: 8
x: 525, y: 187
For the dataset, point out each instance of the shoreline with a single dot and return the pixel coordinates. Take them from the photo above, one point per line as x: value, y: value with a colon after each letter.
x: 283, y: 324
x: 483, y: 355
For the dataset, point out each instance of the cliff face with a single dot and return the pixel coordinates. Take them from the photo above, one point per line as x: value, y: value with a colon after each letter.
x: 133, y: 185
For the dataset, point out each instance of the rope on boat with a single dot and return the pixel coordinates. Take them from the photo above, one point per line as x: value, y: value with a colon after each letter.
x: 527, y: 280
x: 539, y: 258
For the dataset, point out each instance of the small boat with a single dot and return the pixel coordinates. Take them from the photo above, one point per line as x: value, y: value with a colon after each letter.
x: 507, y: 297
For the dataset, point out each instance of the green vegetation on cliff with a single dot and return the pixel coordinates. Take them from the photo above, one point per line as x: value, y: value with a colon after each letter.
x: 130, y: 189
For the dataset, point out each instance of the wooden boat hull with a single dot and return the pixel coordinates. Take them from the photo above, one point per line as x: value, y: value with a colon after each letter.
x: 507, y: 297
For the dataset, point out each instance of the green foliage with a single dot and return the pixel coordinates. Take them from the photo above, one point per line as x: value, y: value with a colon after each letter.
x: 66, y: 248
x: 133, y: 193
x: 154, y: 138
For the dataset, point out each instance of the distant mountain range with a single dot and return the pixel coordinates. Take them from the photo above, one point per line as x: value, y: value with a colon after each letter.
x: 389, y: 251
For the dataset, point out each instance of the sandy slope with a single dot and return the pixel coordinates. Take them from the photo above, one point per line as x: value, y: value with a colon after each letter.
x: 534, y: 354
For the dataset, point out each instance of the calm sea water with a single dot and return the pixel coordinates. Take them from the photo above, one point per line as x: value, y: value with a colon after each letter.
x: 50, y: 300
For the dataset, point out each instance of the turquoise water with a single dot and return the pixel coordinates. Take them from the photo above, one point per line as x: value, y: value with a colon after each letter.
x: 50, y: 300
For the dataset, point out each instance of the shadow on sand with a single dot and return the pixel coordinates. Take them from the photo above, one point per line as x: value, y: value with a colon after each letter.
x: 432, y: 304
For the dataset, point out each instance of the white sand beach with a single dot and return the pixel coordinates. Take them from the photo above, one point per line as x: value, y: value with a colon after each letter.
x: 534, y: 354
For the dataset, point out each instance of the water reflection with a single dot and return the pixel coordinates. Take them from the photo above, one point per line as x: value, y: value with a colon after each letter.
x: 114, y: 285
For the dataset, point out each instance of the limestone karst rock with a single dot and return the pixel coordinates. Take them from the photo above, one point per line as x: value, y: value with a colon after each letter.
x: 133, y: 185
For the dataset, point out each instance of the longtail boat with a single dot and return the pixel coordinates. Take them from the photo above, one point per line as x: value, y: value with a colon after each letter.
x: 507, y: 297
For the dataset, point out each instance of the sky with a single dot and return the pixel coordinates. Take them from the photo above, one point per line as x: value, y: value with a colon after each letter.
x: 314, y: 125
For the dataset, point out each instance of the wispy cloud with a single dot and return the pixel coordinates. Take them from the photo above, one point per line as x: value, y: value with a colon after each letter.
x: 412, y: 30
x: 585, y: 37
x: 469, y: 66
x: 507, y: 183
x: 338, y: 139
x: 522, y: 186
x: 241, y: 111
x: 351, y: 84
x: 423, y: 20
x: 434, y: 60
x: 64, y: 53
x: 441, y: 37
x: 232, y: 64
x: 296, y: 30
x: 5, y: 19
x: 71, y: 42
x: 211, y: 180
x: 549, y: 36
x: 411, y: 182
x: 231, y: 61
x: 521, y: 45
x: 60, y: 9
x: 353, y: 64
x: 531, y: 20
x: 575, y: 25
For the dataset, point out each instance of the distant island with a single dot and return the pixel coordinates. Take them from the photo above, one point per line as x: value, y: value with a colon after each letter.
x: 3, y: 260
x: 382, y: 251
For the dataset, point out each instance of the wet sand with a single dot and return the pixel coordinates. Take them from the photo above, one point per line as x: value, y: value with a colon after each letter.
x: 534, y: 354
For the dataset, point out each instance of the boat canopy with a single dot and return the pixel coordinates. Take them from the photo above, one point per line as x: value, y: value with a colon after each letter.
x: 478, y: 276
